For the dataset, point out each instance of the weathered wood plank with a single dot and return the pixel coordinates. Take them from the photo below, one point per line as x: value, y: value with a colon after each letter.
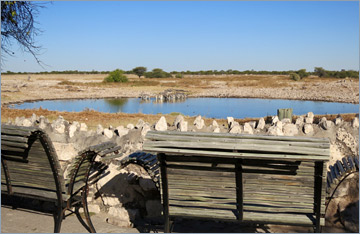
x: 242, y: 136
x: 206, y: 213
x: 220, y: 154
x: 280, y: 218
x: 270, y: 141
x: 14, y: 138
x: 239, y: 147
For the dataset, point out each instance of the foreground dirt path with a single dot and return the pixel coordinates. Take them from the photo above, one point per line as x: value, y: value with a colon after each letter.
x: 19, y: 88
x: 26, y: 221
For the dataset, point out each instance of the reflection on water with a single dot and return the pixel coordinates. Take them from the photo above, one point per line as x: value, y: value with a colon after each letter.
x: 208, y: 107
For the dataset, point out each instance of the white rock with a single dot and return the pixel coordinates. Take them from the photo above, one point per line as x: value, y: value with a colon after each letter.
x: 161, y: 125
x: 182, y: 126
x: 261, y: 124
x: 252, y: 124
x: 121, y: 131
x: 18, y: 121
x: 230, y: 121
x: 279, y: 124
x: 215, y: 124
x: 130, y: 126
x: 299, y: 121
x: 327, y: 125
x: 248, y: 129
x: 28, y: 123
x: 348, y: 140
x: 83, y: 127
x: 217, y: 129
x: 274, y: 120
x: 73, y: 128
x: 308, y: 129
x: 119, y: 212
x: 309, y: 120
x: 338, y: 121
x: 33, y: 118
x: 60, y: 128
x: 323, y: 119
x: 108, y: 133
x: 64, y: 151
x: 140, y: 124
x: 290, y: 130
x: 99, y: 129
x: 94, y: 208
x: 199, y: 122
x: 236, y: 129
x: 145, y: 129
x: 286, y: 121
x: 42, y: 124
x: 42, y: 118
x: 355, y: 122
x: 178, y: 119
x: 275, y: 131
x: 310, y: 115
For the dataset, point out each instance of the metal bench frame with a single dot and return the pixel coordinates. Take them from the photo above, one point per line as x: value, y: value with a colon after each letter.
x: 16, y: 145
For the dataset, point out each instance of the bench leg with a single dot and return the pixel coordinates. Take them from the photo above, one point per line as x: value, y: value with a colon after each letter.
x: 58, y: 216
x: 86, y: 210
x: 88, y: 225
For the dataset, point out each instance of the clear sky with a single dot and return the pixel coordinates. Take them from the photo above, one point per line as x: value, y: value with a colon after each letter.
x: 202, y: 35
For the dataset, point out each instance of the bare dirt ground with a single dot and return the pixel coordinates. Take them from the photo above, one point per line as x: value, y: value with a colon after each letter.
x: 28, y: 221
x: 18, y: 88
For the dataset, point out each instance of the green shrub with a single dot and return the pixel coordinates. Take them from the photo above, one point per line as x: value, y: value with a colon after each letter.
x: 157, y: 73
x: 116, y: 76
x: 302, y: 73
x: 179, y: 75
x: 295, y: 76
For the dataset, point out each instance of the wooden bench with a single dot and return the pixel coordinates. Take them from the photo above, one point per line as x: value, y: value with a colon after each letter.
x: 31, y: 169
x: 244, y: 178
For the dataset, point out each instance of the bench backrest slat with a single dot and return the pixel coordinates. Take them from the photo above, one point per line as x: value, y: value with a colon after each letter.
x: 31, y: 163
x: 277, y: 175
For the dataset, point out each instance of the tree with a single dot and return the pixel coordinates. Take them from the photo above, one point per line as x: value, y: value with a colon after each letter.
x: 17, y: 24
x: 139, y: 71
x: 302, y: 73
x: 116, y: 76
x: 157, y: 73
x: 319, y: 71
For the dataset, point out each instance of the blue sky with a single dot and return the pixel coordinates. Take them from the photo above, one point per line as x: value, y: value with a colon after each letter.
x: 188, y: 35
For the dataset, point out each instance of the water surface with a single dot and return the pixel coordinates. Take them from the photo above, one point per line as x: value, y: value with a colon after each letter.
x: 207, y: 107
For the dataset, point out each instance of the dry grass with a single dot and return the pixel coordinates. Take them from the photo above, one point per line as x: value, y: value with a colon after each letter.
x: 198, y: 82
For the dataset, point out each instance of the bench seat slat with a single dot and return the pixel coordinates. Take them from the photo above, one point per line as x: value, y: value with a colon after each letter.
x: 281, y: 218
x: 240, y: 147
x: 233, y: 140
x: 220, y: 154
x: 239, y: 136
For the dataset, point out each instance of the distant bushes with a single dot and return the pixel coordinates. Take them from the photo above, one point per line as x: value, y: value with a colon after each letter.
x: 321, y: 72
x: 295, y: 76
x: 157, y: 73
x: 300, y: 74
x: 179, y: 75
x: 116, y: 76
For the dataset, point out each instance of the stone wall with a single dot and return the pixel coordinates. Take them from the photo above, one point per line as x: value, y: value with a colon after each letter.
x: 123, y: 195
